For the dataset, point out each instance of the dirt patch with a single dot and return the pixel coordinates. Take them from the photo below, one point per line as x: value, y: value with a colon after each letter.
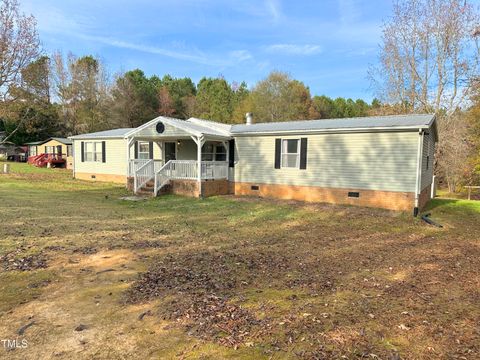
x: 17, y: 260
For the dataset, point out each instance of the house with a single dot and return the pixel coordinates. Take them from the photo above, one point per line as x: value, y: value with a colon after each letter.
x: 55, y: 150
x: 10, y: 151
x: 384, y: 161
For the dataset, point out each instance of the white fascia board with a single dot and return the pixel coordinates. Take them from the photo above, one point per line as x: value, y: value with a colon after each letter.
x: 320, y: 131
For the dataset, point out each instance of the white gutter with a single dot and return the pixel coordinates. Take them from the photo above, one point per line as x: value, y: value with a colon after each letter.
x: 337, y: 130
x: 418, y: 182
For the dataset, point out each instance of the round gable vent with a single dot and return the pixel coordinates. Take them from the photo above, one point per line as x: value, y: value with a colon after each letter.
x: 160, y: 127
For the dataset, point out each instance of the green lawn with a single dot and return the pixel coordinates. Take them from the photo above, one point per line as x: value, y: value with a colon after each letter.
x: 227, y: 277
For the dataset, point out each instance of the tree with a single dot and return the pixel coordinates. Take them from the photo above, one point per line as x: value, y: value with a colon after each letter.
x: 32, y: 104
x: 81, y: 85
x: 214, y: 100
x: 323, y: 106
x: 133, y: 99
x: 428, y: 57
x: 181, y: 92
x: 280, y: 98
x: 165, y: 102
x: 19, y: 46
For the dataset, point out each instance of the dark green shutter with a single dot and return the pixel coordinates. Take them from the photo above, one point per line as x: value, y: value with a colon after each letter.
x: 135, y: 145
x: 104, y: 156
x: 82, y: 145
x: 150, y: 150
x: 278, y: 152
x: 303, y: 153
x: 231, y: 153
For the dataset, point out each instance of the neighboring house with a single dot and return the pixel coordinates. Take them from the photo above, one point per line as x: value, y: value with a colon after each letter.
x: 57, y: 151
x: 384, y: 161
x: 10, y: 151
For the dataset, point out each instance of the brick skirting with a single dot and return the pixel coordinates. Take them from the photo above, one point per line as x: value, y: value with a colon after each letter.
x: 391, y: 200
x: 190, y: 187
x: 425, y: 197
x: 119, y: 179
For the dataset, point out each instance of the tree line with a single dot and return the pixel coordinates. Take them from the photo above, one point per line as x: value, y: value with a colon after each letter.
x: 71, y: 95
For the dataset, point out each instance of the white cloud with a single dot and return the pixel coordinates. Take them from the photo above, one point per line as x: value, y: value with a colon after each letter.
x: 240, y: 55
x: 273, y: 7
x: 294, y: 49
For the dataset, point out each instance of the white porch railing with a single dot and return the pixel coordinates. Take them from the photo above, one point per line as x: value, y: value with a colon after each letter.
x: 178, y: 169
x: 214, y: 170
x: 188, y: 170
x: 135, y: 164
x: 143, y: 174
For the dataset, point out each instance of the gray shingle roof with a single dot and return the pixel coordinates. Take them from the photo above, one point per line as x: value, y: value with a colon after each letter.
x: 374, y: 122
x: 207, y: 127
x: 59, y: 139
x: 114, y: 133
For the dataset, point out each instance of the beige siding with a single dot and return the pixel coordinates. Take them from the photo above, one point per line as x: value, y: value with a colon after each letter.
x: 187, y: 150
x: 170, y: 131
x: 374, y: 161
x: 115, y: 156
x: 428, y: 151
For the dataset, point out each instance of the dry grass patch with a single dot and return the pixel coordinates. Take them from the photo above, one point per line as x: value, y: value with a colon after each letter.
x: 229, y: 277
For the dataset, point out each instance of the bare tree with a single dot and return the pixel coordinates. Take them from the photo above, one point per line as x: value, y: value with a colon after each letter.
x: 82, y: 88
x: 428, y: 58
x: 428, y: 55
x: 19, y: 46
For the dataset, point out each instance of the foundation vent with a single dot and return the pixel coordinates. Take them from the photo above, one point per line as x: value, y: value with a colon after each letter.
x: 255, y: 187
x: 353, y: 194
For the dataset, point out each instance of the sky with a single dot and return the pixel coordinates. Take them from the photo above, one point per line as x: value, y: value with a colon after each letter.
x: 327, y: 44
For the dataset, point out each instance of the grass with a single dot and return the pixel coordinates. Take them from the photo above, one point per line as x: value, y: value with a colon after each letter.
x: 324, y: 281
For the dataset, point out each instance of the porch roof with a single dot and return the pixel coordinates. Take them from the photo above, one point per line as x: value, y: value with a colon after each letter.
x: 191, y: 127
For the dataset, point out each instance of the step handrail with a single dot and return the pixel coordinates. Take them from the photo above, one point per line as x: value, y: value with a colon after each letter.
x: 158, y: 181
x: 144, y: 175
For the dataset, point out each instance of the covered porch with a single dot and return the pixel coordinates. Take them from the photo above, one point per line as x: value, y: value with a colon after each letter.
x: 179, y: 156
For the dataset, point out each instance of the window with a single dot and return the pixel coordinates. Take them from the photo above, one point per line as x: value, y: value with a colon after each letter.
x: 33, y: 150
x: 93, y: 151
x: 49, y: 149
x: 220, y: 153
x: 143, y: 150
x: 214, y: 152
x: 291, y: 153
x: 207, y: 152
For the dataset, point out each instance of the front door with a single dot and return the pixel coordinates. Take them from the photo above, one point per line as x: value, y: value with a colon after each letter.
x: 170, y: 152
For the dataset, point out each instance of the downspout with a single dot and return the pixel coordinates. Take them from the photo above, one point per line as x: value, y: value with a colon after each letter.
x: 419, y: 172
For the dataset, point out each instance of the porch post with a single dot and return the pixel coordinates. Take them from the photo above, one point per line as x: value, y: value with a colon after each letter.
x: 129, y: 144
x: 200, y: 140
x: 199, y: 165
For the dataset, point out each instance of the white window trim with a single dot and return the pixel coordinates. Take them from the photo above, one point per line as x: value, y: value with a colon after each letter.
x: 143, y: 152
x: 297, y: 166
x: 95, y: 146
